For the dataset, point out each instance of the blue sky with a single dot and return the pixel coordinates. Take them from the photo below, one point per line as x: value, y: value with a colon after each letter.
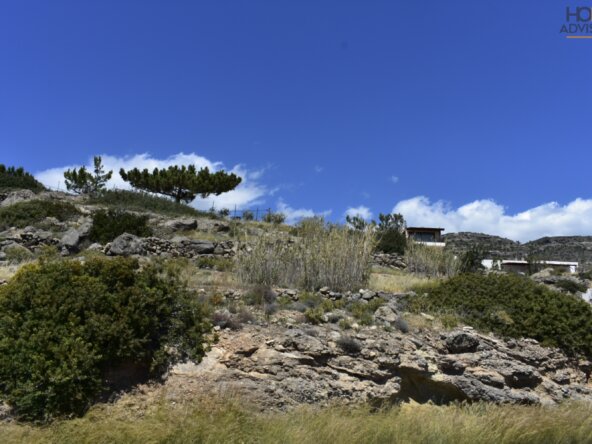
x: 471, y: 114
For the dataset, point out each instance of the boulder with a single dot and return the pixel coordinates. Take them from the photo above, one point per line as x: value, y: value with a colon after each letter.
x: 126, y: 245
x: 17, y: 196
x: 182, y: 224
x: 70, y: 239
x: 385, y: 315
x: 461, y: 342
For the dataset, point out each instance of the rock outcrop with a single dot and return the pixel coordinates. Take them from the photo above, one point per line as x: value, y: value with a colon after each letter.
x: 278, y: 367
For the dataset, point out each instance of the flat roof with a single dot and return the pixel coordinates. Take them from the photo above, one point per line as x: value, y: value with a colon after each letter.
x: 425, y: 228
x: 539, y: 262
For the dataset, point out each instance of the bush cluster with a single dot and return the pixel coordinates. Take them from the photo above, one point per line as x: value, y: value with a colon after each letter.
x: 512, y: 305
x: 70, y: 331
x: 12, y: 178
x: 108, y: 224
x: 22, y: 214
x: 322, y: 255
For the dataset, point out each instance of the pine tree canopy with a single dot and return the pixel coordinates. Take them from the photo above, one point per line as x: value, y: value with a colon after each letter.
x: 81, y: 181
x: 182, y: 183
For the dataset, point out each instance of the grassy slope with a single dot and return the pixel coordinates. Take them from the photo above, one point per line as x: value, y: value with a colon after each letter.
x: 212, y: 422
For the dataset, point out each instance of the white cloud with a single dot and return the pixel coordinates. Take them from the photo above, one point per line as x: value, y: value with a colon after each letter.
x: 250, y: 192
x: 394, y: 179
x: 362, y: 211
x: 318, y: 169
x: 295, y: 214
x: 487, y: 216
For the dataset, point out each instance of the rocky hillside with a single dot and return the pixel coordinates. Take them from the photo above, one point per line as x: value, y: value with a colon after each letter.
x: 295, y: 347
x: 561, y: 248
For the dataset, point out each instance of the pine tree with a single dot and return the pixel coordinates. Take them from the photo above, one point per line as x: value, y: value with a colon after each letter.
x: 181, y: 183
x: 81, y: 181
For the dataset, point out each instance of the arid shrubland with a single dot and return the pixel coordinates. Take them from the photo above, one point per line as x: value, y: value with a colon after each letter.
x: 318, y: 255
x: 430, y: 261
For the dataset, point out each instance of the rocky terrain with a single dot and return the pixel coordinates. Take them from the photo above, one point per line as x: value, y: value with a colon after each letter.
x: 560, y: 248
x: 283, y: 366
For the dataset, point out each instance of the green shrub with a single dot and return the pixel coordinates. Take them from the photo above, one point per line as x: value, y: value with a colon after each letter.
x: 139, y: 201
x: 512, y: 305
x: 108, y: 224
x: 571, y: 286
x: 12, y: 178
x: 314, y: 315
x: 30, y: 212
x: 68, y: 329
x: 391, y: 235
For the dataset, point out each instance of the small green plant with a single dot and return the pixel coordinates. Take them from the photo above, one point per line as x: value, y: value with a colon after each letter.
x: 23, y: 214
x: 12, y: 178
x: 349, y: 345
x: 108, y: 224
x: 248, y: 215
x: 314, y: 315
x: 344, y: 324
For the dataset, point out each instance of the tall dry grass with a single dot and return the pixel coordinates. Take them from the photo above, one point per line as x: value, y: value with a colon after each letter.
x: 319, y: 255
x: 211, y: 421
x: 431, y: 261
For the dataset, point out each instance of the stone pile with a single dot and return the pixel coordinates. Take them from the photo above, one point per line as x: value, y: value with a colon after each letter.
x: 390, y: 260
x: 128, y: 244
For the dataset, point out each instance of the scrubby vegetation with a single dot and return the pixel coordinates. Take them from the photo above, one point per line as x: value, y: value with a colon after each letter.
x: 390, y: 232
x: 274, y: 218
x: 140, y: 201
x: 27, y: 213
x: 322, y: 255
x: 515, y: 306
x: 12, y: 178
x: 571, y: 286
x: 215, y: 421
x: 431, y: 261
x: 70, y: 331
x: 109, y: 224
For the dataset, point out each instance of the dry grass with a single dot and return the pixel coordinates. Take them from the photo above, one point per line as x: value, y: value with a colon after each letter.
x: 321, y: 255
x: 395, y: 281
x: 196, y: 277
x: 9, y: 270
x: 214, y: 421
x: 431, y: 261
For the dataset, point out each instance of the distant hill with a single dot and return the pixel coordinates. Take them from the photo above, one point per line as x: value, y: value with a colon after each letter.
x: 562, y: 248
